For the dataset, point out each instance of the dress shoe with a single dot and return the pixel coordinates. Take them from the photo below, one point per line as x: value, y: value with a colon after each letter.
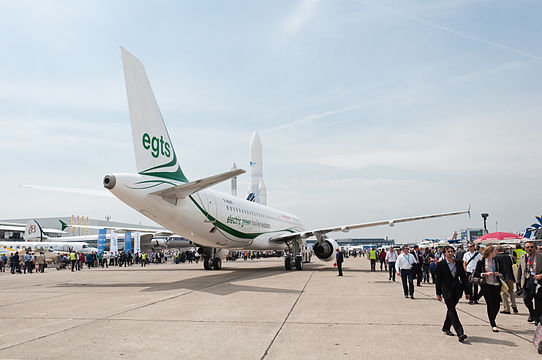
x: 505, y: 312
x: 406, y: 296
x: 530, y: 319
x: 494, y: 329
x: 476, y: 302
x: 515, y: 309
x: 412, y: 296
x: 448, y: 332
x: 461, y: 338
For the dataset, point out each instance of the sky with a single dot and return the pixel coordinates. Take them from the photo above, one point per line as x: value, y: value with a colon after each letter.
x: 367, y: 110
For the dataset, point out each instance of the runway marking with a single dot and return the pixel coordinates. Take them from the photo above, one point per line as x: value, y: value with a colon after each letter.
x: 287, y: 316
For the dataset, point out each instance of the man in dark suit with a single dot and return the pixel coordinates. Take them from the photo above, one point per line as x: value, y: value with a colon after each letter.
x: 339, y: 259
x: 450, y: 283
x: 529, y: 269
x: 417, y: 268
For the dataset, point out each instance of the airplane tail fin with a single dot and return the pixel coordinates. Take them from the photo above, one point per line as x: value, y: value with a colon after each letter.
x: 63, y: 225
x: 152, y: 145
x: 33, y: 231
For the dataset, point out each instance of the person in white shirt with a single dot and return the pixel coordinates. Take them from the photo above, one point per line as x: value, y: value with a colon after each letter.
x: 391, y: 258
x: 403, y: 266
x: 470, y: 259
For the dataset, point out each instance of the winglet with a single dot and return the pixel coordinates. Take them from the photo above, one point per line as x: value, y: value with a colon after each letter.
x: 468, y: 211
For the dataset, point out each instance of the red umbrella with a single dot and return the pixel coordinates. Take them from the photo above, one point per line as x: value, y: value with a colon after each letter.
x: 499, y: 237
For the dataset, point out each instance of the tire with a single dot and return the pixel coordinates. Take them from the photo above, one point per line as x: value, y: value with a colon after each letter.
x: 206, y: 264
x: 217, y: 263
x: 298, y: 263
x: 288, y: 263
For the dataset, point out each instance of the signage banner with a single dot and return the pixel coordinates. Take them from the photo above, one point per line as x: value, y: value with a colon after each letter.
x: 127, y: 242
x: 101, y: 240
x: 137, y: 242
x: 114, y: 245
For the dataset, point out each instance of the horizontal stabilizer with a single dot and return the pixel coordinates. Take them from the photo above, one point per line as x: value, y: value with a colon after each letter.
x: 183, y: 190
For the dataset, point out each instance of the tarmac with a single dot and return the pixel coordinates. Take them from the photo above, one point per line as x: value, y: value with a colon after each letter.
x: 247, y: 310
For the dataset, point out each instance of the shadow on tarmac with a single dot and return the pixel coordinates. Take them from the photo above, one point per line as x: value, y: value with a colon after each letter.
x: 484, y: 340
x: 217, y: 283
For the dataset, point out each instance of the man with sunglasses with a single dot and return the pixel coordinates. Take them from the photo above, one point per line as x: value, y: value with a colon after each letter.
x: 529, y: 269
x: 470, y: 259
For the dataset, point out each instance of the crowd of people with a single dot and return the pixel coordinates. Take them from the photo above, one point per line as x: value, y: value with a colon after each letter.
x: 498, y: 274
x: 30, y: 261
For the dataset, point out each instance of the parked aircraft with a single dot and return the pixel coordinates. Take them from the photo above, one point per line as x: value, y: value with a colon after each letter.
x: 217, y: 221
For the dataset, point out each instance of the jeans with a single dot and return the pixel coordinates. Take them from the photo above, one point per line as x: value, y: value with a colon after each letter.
x: 391, y: 268
x: 426, y: 273
x: 407, y: 275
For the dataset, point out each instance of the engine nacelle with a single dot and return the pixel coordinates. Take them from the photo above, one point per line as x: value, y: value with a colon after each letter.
x: 326, y: 249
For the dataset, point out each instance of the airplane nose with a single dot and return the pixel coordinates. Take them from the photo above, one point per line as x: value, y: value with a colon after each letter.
x: 109, y: 181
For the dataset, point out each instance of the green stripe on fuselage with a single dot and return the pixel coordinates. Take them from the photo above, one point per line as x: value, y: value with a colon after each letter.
x: 228, y: 229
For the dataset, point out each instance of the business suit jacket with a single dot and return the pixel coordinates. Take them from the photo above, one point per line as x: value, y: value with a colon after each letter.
x: 523, y: 272
x: 446, y: 285
x: 505, y: 265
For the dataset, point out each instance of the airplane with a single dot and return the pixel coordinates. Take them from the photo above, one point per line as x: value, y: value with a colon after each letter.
x: 8, y: 226
x: 151, y: 239
x: 79, y: 246
x: 214, y: 220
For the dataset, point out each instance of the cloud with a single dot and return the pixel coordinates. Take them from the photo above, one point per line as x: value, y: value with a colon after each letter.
x: 303, y: 12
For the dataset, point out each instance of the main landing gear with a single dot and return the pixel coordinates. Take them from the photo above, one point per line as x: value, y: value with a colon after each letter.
x: 215, y: 264
x: 211, y: 258
x: 293, y: 257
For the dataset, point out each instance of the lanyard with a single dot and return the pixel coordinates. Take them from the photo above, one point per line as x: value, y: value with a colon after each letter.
x: 531, y: 264
x: 406, y: 257
x: 493, y: 263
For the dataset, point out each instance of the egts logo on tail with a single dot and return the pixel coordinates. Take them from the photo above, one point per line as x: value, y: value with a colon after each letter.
x: 157, y: 146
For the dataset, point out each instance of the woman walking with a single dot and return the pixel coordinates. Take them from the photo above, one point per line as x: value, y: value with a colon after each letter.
x: 488, y: 270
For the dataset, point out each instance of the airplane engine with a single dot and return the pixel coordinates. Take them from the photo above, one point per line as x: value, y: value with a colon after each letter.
x: 326, y: 249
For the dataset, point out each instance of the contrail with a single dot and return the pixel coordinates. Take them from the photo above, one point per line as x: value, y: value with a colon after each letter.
x: 450, y: 30
x: 310, y: 118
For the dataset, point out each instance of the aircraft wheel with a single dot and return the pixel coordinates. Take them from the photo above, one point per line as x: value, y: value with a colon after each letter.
x: 288, y: 263
x: 217, y: 263
x: 298, y: 263
x: 206, y: 264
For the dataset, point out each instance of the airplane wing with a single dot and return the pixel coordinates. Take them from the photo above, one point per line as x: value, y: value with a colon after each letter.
x: 156, y: 232
x: 11, y: 228
x: 319, y: 233
x: 92, y: 192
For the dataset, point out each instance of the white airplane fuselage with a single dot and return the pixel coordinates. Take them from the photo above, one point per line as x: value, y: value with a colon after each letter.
x: 81, y: 247
x: 207, y: 217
